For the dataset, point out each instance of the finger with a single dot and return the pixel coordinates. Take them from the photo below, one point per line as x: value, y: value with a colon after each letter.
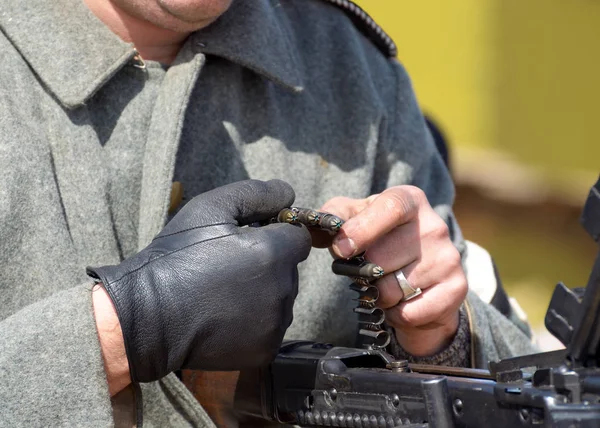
x: 393, y: 207
x: 435, y: 305
x: 415, y: 241
x: 344, y: 207
x: 390, y: 293
x: 423, y: 273
x: 397, y: 249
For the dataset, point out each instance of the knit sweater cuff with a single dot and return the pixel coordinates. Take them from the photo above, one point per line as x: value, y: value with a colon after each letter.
x: 457, y: 354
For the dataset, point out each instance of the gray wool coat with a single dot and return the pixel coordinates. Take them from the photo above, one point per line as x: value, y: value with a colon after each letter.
x: 90, y: 144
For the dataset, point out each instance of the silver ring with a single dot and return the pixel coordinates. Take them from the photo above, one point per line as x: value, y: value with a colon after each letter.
x: 409, y: 292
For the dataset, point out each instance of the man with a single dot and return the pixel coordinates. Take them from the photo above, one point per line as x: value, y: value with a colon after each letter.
x: 104, y: 103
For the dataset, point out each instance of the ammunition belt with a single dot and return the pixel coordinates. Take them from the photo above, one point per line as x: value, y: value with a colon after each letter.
x: 363, y: 273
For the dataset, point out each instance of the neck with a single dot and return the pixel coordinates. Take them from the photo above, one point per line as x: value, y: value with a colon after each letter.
x: 151, y: 41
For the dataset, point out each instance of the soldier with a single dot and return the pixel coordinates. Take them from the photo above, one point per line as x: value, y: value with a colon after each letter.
x: 105, y: 103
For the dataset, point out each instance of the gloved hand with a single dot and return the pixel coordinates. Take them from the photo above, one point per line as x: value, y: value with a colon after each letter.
x: 207, y: 293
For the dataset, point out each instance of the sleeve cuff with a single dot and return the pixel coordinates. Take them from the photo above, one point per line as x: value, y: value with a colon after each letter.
x: 51, y: 367
x: 457, y: 354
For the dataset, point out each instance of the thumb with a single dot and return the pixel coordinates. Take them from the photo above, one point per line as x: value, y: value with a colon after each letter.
x: 241, y: 203
x: 249, y: 201
x: 289, y: 243
x: 254, y: 200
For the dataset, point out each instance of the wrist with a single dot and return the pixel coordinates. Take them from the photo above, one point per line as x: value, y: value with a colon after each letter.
x: 428, y: 340
x: 111, y: 340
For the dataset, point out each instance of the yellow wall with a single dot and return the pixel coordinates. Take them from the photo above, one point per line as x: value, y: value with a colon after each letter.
x: 521, y: 77
x: 515, y: 75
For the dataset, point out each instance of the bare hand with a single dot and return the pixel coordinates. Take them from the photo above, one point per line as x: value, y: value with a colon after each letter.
x: 398, y: 229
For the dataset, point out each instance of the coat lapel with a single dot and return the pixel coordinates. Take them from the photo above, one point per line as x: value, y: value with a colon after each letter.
x: 163, y: 139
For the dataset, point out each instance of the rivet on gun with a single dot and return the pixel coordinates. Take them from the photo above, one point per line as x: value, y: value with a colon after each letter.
x: 400, y: 366
x: 457, y: 407
x: 333, y: 394
x: 395, y: 400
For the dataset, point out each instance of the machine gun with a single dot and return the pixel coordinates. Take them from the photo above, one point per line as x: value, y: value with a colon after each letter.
x: 312, y: 384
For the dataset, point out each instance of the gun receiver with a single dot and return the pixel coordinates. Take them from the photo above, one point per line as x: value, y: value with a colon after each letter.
x: 312, y: 384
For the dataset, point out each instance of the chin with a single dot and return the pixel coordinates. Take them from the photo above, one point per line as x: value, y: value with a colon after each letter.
x: 195, y: 13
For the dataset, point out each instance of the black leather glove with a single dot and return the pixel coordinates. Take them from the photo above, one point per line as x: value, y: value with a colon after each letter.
x: 207, y: 293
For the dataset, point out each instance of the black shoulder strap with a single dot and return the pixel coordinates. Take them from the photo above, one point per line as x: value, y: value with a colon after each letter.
x: 367, y: 26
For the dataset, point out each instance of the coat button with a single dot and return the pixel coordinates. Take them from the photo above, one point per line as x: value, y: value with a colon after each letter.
x: 176, y: 196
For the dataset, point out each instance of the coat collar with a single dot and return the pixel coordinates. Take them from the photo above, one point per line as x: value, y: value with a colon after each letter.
x: 69, y: 49
x: 253, y: 33
x: 74, y: 54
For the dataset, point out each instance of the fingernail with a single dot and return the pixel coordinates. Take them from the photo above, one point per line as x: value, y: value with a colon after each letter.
x: 345, y: 247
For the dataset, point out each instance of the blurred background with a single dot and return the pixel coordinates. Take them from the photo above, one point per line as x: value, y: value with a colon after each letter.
x: 514, y: 86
